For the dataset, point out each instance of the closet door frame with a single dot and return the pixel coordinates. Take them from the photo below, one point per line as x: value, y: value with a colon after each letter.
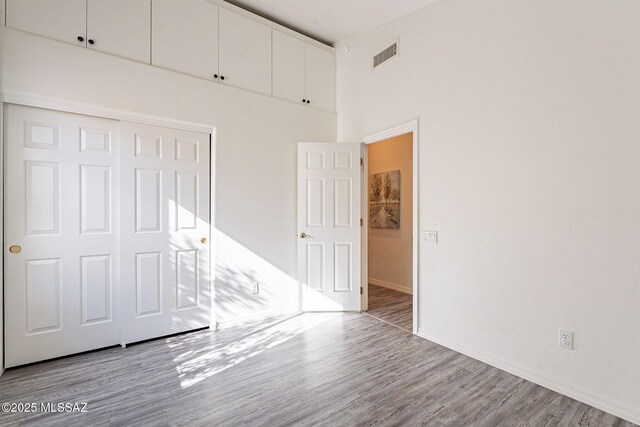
x: 120, y: 115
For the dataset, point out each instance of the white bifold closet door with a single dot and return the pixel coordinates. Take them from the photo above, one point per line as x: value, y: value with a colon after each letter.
x: 165, y: 231
x: 62, y: 233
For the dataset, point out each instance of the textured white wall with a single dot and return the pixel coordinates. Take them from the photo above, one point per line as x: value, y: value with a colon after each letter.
x: 530, y: 171
x: 391, y: 250
x: 255, y: 170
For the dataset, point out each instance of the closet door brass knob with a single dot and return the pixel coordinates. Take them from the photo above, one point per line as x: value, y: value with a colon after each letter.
x: 15, y: 249
x: 304, y: 235
x: 203, y: 240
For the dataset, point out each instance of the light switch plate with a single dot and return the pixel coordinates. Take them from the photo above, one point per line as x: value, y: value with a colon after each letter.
x: 430, y: 236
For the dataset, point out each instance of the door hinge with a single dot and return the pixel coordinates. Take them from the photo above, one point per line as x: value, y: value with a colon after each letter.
x: 361, y: 222
x: 360, y: 290
x: 361, y: 161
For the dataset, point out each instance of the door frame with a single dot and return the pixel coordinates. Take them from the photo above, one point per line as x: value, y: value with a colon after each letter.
x: 114, y: 114
x: 401, y: 129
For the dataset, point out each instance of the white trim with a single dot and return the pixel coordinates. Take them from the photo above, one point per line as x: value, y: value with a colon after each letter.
x: 31, y: 100
x: 389, y: 285
x: 573, y: 391
x: 401, y: 129
x: 227, y: 323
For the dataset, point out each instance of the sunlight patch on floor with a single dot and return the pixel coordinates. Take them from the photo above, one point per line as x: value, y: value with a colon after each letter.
x: 193, y: 370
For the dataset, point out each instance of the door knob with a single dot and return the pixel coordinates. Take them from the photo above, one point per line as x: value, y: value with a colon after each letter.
x: 304, y: 235
x: 15, y: 249
x: 203, y: 240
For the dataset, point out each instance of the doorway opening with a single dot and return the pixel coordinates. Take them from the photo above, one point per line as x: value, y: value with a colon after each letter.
x: 390, y: 226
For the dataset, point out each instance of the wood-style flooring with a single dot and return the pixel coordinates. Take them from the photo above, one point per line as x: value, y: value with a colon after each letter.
x: 391, y: 306
x: 341, y: 369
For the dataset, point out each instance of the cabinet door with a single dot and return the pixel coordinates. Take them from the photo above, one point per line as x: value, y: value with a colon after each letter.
x: 288, y: 67
x: 245, y: 52
x: 185, y: 36
x: 120, y: 27
x: 321, y: 78
x: 64, y: 20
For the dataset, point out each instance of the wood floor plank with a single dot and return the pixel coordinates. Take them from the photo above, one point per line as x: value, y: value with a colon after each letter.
x: 391, y: 306
x: 323, y: 369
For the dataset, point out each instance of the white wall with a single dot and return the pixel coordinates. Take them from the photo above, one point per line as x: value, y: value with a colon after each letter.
x: 1, y: 239
x: 390, y: 251
x: 530, y: 170
x: 255, y: 170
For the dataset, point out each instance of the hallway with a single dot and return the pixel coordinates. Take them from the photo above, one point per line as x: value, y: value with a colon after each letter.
x: 391, y: 306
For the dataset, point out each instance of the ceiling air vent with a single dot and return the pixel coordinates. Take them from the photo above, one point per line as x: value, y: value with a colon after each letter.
x: 385, y: 54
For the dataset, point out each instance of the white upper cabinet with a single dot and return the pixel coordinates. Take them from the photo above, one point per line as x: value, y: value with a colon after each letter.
x: 302, y: 72
x: 320, y: 71
x: 194, y: 37
x: 120, y: 27
x: 185, y: 37
x: 245, y: 53
x: 63, y: 20
x: 288, y: 67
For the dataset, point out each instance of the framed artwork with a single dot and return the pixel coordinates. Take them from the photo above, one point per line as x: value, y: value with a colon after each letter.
x: 384, y: 200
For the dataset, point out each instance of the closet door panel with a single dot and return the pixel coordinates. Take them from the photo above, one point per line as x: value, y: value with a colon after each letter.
x: 61, y: 257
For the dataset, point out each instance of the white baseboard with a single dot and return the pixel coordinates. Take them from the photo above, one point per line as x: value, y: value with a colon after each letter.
x: 281, y: 311
x: 392, y: 286
x: 576, y: 392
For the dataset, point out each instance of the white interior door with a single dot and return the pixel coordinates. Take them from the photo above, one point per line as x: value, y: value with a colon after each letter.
x: 61, y: 20
x: 185, y: 36
x: 61, y: 234
x: 165, y: 231
x: 329, y: 226
x: 120, y: 27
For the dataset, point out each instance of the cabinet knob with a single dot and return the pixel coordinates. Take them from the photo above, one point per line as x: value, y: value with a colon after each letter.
x: 308, y: 102
x: 304, y: 100
x: 215, y: 76
x: 221, y: 77
x: 91, y: 41
x: 80, y: 38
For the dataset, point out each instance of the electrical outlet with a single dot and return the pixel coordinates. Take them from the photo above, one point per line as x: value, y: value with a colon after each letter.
x: 430, y: 236
x: 565, y: 339
x: 255, y: 288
